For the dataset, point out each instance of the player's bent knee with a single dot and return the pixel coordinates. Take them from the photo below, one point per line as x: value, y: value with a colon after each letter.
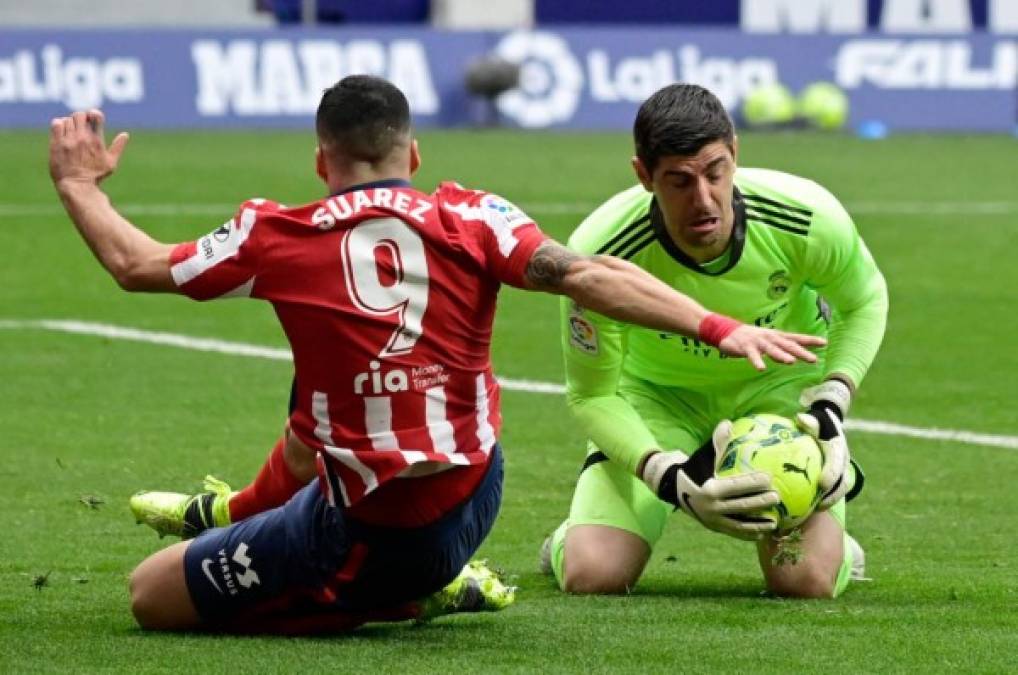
x: 585, y: 581
x: 159, y: 596
x: 144, y: 599
x: 809, y: 583
x: 602, y: 560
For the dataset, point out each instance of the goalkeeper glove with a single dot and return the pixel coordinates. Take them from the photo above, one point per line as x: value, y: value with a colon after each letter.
x: 725, y: 505
x: 826, y: 405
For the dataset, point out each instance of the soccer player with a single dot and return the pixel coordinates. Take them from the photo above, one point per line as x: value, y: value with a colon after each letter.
x: 387, y: 296
x: 765, y: 247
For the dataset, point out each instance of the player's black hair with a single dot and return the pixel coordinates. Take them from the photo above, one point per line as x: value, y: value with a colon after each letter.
x: 363, y: 118
x: 680, y: 119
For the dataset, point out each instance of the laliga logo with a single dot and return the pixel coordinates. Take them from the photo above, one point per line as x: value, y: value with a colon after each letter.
x: 551, y: 79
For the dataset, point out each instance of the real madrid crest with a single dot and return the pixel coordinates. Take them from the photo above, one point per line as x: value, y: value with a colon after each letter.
x: 778, y: 284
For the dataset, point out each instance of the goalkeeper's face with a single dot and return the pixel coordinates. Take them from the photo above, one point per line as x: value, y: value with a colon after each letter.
x: 694, y: 193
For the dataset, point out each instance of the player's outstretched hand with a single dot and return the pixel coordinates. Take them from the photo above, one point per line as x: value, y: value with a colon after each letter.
x: 826, y: 405
x: 753, y: 343
x: 725, y: 505
x: 77, y: 151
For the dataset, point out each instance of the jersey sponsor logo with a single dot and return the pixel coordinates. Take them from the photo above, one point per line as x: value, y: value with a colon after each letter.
x: 583, y: 334
x: 226, y: 572
x: 823, y: 310
x: 509, y: 212
x: 375, y: 382
x: 216, y: 245
x: 248, y: 577
x: 206, y: 567
x: 693, y: 346
x: 426, y: 377
x: 770, y: 317
x: 223, y: 233
x: 778, y: 284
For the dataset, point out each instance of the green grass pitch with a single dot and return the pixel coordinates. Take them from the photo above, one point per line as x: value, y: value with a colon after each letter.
x: 93, y: 419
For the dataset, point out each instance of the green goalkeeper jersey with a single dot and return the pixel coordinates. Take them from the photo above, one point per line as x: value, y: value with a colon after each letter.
x: 795, y: 263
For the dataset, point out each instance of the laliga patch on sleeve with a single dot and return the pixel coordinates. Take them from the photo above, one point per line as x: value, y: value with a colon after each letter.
x: 582, y: 334
x: 493, y: 206
x: 220, y: 243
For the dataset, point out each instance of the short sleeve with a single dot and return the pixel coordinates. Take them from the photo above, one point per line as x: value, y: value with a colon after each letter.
x: 223, y: 263
x: 508, y: 239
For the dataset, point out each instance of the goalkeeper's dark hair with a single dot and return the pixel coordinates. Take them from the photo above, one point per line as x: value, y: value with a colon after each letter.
x: 363, y: 118
x: 680, y: 119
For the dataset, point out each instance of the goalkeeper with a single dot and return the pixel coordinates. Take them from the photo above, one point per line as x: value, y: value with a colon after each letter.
x: 764, y: 247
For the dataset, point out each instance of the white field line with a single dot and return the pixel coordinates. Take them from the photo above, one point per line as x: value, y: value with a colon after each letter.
x: 224, y: 211
x: 528, y: 386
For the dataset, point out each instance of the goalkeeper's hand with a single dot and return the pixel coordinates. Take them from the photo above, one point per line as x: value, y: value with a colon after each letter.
x: 826, y: 405
x: 726, y: 505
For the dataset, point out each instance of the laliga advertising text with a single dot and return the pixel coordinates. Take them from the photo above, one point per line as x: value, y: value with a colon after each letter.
x: 926, y: 64
x: 27, y: 77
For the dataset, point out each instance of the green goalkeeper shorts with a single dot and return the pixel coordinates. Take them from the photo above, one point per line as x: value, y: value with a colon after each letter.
x: 607, y: 494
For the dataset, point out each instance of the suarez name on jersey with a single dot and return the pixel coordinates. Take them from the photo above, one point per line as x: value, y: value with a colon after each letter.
x: 387, y: 297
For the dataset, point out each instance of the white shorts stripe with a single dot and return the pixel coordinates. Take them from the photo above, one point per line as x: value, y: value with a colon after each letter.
x: 439, y: 427
x: 485, y: 432
x: 320, y: 411
x: 378, y: 422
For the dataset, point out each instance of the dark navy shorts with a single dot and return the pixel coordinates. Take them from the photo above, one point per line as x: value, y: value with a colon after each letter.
x: 308, y: 556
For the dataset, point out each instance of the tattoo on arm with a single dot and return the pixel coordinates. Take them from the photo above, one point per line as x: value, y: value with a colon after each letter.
x: 549, y: 264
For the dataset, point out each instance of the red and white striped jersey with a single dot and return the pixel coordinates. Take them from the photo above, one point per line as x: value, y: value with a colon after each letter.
x: 387, y: 296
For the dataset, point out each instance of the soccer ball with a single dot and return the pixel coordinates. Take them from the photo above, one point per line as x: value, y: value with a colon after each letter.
x: 769, y: 105
x: 773, y: 444
x: 824, y: 106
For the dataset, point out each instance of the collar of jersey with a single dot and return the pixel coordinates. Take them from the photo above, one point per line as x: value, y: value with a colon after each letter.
x: 387, y: 183
x: 736, y: 246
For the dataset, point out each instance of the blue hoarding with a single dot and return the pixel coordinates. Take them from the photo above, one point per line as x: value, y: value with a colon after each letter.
x: 588, y: 78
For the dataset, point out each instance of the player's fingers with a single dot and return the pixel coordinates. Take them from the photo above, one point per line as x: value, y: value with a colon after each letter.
x: 79, y: 121
x: 65, y: 126
x: 753, y: 355
x: 96, y: 121
x: 805, y: 340
x: 750, y: 503
x: 740, y: 485
x: 721, y: 436
x: 808, y: 423
x: 118, y: 145
x: 56, y: 128
x: 749, y: 530
x: 777, y: 352
x: 797, y: 350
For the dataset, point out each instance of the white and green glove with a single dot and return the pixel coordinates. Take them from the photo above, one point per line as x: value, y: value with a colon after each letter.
x: 826, y: 405
x: 725, y: 505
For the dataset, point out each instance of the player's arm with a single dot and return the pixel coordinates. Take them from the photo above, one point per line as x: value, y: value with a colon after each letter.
x: 842, y: 269
x: 623, y: 291
x: 79, y: 160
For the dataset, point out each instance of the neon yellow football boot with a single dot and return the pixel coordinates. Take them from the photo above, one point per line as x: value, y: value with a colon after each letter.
x: 478, y: 588
x: 182, y: 515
